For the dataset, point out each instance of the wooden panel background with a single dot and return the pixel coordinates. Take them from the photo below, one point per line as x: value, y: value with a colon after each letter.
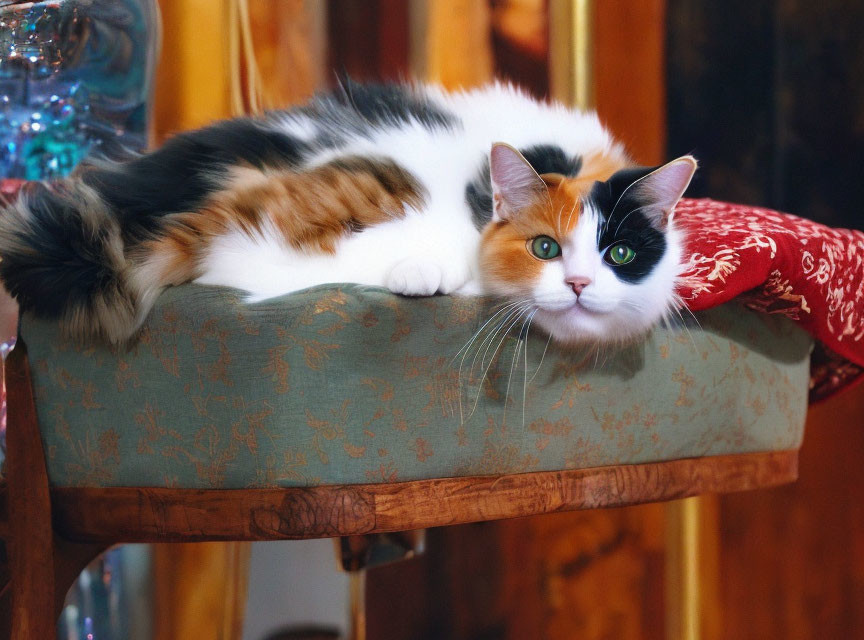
x: 582, y: 575
x: 792, y: 558
x: 629, y: 74
x: 193, y: 83
x: 291, y: 49
x: 770, y: 98
x: 368, y: 39
x: 192, y: 79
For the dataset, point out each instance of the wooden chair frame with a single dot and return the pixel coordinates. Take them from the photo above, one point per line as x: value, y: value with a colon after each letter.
x: 52, y: 533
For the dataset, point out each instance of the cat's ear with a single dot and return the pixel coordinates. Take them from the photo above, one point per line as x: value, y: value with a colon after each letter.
x: 661, y: 189
x: 515, y: 184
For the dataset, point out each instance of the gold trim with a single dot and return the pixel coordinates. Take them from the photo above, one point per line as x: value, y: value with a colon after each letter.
x: 571, y: 48
x: 683, y: 597
x: 583, y: 58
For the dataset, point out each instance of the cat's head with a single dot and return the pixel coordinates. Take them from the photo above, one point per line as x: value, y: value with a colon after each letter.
x: 599, y: 261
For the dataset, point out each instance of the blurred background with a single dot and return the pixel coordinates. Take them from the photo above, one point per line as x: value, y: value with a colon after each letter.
x: 769, y: 96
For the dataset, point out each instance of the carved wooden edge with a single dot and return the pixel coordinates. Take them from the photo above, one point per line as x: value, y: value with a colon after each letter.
x: 189, y: 515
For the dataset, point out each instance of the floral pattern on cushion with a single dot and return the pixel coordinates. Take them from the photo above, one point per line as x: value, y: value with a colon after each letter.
x: 347, y: 384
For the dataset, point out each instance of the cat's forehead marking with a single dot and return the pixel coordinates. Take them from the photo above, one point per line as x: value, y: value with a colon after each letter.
x: 570, y: 193
x: 567, y: 198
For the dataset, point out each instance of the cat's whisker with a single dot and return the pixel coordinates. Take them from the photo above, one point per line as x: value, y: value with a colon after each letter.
x: 686, y: 328
x: 666, y: 321
x: 692, y: 315
x: 558, y: 221
x: 525, y: 377
x: 490, y: 338
x: 633, y: 304
x: 516, y: 351
x: 486, y: 370
x: 572, y: 211
x: 467, y: 345
x: 507, y: 312
x: 542, y: 356
x: 487, y: 340
x: 618, y: 228
x: 520, y: 339
x: 515, y: 316
x: 605, y: 359
x: 492, y: 359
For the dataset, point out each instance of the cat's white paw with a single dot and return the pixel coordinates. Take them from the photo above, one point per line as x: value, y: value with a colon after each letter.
x: 418, y: 276
x: 415, y: 277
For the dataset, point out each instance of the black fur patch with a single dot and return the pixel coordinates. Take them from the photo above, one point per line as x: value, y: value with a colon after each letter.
x: 623, y: 220
x: 545, y: 158
x: 178, y: 176
x: 389, y: 104
x: 362, y: 108
x: 478, y: 195
x: 53, y: 260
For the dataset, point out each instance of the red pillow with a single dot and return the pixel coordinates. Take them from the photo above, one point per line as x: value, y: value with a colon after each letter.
x: 779, y: 263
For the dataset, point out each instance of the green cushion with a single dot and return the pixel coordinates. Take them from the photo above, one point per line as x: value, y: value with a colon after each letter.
x: 343, y: 384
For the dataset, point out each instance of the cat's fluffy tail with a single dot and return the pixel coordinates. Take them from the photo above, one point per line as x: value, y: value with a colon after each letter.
x: 62, y: 257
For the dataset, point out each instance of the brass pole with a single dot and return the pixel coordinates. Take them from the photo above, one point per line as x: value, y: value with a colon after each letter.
x: 571, y: 48
x: 683, y: 597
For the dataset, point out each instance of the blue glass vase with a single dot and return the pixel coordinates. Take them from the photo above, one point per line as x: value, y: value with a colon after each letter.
x: 75, y: 78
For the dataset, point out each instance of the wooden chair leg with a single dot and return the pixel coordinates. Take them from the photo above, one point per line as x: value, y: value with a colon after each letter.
x: 31, y: 537
x: 5, y: 593
x: 42, y: 566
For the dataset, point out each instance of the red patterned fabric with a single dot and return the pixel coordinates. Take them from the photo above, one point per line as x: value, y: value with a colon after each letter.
x: 776, y: 263
x: 779, y: 263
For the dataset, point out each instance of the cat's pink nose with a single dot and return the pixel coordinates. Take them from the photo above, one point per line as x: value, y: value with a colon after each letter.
x: 578, y: 283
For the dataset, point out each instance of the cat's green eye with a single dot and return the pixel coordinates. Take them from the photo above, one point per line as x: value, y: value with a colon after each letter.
x: 545, y: 247
x: 620, y: 254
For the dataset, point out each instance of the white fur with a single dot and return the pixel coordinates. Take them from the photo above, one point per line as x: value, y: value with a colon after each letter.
x: 300, y: 126
x: 383, y: 255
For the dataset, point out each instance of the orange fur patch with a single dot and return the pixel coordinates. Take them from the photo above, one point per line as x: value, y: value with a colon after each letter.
x: 311, y: 209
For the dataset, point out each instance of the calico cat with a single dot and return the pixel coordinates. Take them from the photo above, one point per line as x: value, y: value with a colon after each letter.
x: 391, y: 185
